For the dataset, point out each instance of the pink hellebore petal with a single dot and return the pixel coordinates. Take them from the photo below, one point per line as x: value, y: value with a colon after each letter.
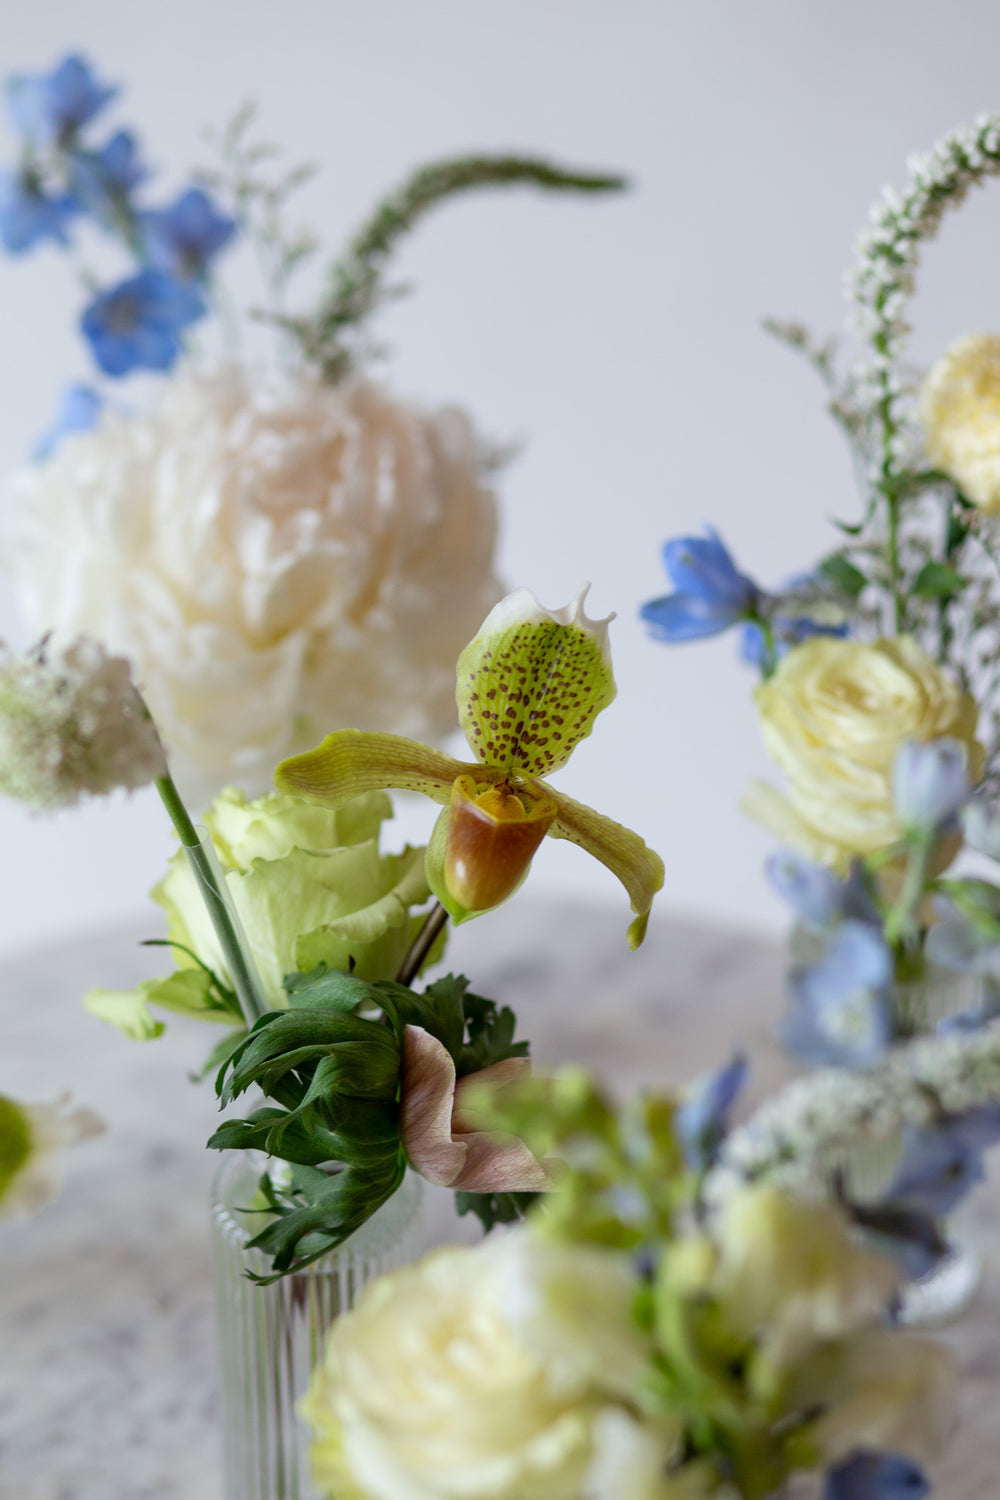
x: 441, y: 1139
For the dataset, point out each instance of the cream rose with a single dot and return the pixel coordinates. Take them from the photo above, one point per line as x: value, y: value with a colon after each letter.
x: 960, y: 415
x: 833, y: 717
x: 277, y: 557
x: 483, y: 1374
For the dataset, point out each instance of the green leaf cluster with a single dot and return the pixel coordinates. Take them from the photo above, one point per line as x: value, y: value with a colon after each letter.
x: 330, y: 1065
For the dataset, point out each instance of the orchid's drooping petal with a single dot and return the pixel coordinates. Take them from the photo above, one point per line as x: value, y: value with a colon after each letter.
x: 532, y: 682
x: 637, y: 867
x: 442, y: 1140
x: 351, y: 762
x: 493, y: 834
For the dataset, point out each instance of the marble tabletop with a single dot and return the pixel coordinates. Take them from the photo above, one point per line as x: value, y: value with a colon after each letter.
x: 107, y: 1364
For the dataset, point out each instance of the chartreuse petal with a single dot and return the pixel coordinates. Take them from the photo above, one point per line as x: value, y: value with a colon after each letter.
x: 245, y: 829
x: 15, y: 1141
x: 351, y: 762
x: 189, y: 992
x: 532, y: 682
x: 637, y: 867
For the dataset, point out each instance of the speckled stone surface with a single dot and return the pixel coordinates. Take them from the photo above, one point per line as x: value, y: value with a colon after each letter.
x: 107, y: 1366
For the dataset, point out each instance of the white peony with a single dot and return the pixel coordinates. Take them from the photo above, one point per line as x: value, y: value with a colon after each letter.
x: 277, y: 557
x: 486, y: 1374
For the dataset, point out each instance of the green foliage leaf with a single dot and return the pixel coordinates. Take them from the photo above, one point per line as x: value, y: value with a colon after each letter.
x: 495, y: 1208
x: 845, y: 577
x: 319, y: 1212
x: 490, y: 1032
x: 936, y: 580
x: 328, y: 987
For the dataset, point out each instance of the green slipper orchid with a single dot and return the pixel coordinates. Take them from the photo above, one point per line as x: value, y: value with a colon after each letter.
x: 530, y: 686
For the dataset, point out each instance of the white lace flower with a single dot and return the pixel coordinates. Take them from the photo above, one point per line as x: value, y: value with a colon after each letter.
x: 72, y: 725
x: 32, y: 1138
x: 277, y: 557
x: 797, y: 1139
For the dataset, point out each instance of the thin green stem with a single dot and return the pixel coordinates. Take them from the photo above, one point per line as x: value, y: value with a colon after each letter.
x: 422, y: 944
x: 899, y: 924
x: 199, y: 853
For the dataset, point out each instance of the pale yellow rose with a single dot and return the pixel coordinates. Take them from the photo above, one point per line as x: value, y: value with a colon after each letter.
x: 484, y: 1373
x: 791, y: 1275
x: 960, y: 414
x: 834, y: 716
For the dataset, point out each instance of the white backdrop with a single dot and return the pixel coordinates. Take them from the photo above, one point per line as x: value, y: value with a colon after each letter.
x: 619, y: 341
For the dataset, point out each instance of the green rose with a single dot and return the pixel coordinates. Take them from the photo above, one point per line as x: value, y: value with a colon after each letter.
x: 309, y: 886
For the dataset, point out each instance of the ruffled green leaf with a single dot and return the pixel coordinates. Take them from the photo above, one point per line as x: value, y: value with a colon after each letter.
x: 269, y: 827
x: 532, y: 682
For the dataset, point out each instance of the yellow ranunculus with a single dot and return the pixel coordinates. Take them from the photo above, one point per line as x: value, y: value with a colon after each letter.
x: 960, y: 414
x: 833, y: 716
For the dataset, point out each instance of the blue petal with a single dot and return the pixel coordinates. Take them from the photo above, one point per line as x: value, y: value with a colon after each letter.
x: 683, y: 617
x: 842, y: 1013
x: 701, y: 1119
x: 135, y: 324
x: 702, y: 566
x: 79, y: 411
x: 876, y: 1476
x: 813, y: 892
x: 182, y: 240
x: 29, y: 216
x: 930, y: 783
x: 48, y: 108
x: 939, y: 1167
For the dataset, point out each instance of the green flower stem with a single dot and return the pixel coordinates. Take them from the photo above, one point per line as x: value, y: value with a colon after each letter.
x: 899, y: 923
x: 201, y: 855
x: 422, y: 944
x: 356, y: 286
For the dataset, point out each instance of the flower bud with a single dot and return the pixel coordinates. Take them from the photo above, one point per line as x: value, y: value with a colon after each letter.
x: 493, y: 834
x: 930, y: 784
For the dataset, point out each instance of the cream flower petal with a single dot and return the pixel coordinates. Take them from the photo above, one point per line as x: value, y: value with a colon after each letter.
x: 636, y: 866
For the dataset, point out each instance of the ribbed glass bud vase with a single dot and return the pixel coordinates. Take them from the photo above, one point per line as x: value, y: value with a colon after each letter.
x: 271, y: 1337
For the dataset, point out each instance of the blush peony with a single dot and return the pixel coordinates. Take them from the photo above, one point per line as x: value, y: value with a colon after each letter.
x: 277, y: 557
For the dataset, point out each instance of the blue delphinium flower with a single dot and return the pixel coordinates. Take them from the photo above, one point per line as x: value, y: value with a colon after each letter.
x: 79, y: 411
x: 29, y: 215
x: 103, y: 181
x: 876, y: 1476
x: 981, y: 826
x: 135, y: 325
x: 842, y: 1009
x: 817, y: 896
x: 702, y: 1118
x: 930, y: 785
x: 183, y: 239
x: 711, y: 594
x: 787, y: 631
x: 49, y: 108
x: 940, y: 1165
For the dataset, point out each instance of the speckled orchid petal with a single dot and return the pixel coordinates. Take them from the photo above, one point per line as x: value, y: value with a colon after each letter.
x: 635, y: 864
x: 532, y: 682
x: 351, y: 762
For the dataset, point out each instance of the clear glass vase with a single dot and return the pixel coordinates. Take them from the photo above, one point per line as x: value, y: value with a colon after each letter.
x: 271, y: 1337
